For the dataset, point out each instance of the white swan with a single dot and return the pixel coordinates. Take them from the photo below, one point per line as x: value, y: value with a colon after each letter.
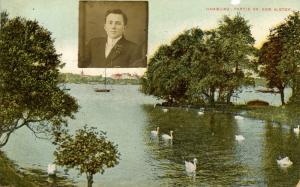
x: 190, y: 167
x: 155, y: 132
x: 238, y: 117
x: 297, y: 130
x: 167, y: 137
x: 285, y: 162
x: 200, y: 113
x: 239, y: 137
x: 165, y: 110
x: 51, y: 170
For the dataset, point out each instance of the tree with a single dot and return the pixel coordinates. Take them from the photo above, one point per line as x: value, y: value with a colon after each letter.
x: 269, y: 57
x: 89, y: 151
x: 289, y: 34
x: 207, y: 69
x: 29, y: 85
x: 280, y: 56
x: 169, y: 69
x: 237, y: 44
x: 198, y: 65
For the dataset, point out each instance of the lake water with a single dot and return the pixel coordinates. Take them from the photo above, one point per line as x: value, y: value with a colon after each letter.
x: 128, y: 117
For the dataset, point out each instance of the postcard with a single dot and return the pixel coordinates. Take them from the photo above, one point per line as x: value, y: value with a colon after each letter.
x: 149, y: 93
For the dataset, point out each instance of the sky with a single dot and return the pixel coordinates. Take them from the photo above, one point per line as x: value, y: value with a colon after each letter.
x: 167, y: 19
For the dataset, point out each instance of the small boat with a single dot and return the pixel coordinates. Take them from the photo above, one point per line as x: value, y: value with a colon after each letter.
x: 101, y: 90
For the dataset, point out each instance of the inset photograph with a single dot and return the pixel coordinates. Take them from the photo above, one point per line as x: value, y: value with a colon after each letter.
x: 113, y: 34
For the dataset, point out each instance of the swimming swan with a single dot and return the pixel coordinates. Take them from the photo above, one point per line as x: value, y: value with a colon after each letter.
x: 190, y: 167
x: 51, y: 170
x: 297, y: 130
x: 155, y: 132
x: 165, y: 110
x: 239, y: 137
x: 285, y: 162
x: 167, y: 137
x: 200, y: 113
x: 237, y: 117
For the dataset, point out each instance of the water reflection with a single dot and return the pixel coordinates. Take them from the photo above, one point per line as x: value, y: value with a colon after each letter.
x: 210, y: 138
x: 281, y: 142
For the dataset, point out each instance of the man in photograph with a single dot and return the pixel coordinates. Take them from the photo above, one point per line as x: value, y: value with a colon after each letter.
x: 114, y: 50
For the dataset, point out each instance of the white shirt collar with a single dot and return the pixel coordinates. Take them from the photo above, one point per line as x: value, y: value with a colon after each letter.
x: 112, y: 42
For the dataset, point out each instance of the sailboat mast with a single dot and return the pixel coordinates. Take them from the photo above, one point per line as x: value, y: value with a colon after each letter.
x: 105, y: 78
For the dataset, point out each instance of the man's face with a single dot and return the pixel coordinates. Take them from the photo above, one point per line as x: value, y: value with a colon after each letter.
x: 114, y: 25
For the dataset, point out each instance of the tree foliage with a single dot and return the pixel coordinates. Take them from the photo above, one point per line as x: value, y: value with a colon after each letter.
x: 29, y: 87
x: 199, y: 64
x: 169, y: 70
x: 289, y: 34
x: 269, y: 57
x: 280, y: 56
x: 89, y: 151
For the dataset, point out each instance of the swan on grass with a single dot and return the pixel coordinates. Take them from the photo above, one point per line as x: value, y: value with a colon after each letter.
x: 239, y: 138
x: 154, y: 133
x: 165, y: 110
x: 284, y: 162
x: 167, y: 137
x: 190, y: 167
x: 297, y: 130
x: 51, y: 170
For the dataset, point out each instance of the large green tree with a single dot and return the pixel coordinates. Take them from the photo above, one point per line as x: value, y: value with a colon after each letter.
x: 280, y: 56
x: 237, y: 44
x: 29, y: 85
x: 208, y: 73
x: 269, y: 57
x: 169, y: 69
x: 198, y: 65
x: 289, y: 34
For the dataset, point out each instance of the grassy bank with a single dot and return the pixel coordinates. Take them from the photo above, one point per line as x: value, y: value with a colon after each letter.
x: 289, y: 115
x: 11, y: 176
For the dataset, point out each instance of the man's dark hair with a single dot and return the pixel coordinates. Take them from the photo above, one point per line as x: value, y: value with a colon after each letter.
x: 117, y: 11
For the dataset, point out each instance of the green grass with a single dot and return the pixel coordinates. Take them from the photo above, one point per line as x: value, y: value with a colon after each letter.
x: 289, y: 115
x: 11, y: 176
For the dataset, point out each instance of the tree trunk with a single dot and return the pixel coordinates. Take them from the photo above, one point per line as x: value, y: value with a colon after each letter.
x: 89, y: 179
x: 221, y: 97
x: 228, y: 96
x: 212, y: 97
x: 282, y: 96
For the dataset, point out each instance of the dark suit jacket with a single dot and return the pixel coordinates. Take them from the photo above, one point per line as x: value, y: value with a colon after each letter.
x: 124, y: 54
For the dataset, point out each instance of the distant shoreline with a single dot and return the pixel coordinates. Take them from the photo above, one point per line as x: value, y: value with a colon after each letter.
x: 88, y: 79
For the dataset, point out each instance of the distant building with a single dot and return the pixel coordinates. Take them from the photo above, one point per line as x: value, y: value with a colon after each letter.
x: 116, y: 76
x: 119, y: 76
